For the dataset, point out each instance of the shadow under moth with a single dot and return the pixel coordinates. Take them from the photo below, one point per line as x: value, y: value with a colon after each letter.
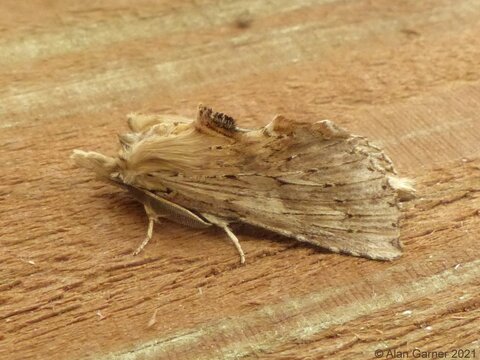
x: 313, y: 182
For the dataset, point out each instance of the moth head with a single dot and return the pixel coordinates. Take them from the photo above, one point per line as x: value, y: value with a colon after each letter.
x: 102, y: 165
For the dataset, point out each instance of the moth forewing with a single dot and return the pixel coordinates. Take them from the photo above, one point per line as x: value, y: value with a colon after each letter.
x: 314, y: 182
x: 143, y: 122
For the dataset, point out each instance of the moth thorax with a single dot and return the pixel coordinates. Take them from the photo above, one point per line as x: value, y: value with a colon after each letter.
x: 129, y: 177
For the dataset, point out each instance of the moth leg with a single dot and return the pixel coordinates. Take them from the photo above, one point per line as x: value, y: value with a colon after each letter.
x: 152, y: 217
x: 235, y: 241
x: 224, y: 225
x: 156, y: 207
x: 147, y: 238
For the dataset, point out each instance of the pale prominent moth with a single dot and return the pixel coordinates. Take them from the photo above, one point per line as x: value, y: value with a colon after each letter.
x: 311, y: 181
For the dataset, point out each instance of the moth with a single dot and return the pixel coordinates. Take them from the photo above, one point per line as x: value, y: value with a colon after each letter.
x: 311, y: 181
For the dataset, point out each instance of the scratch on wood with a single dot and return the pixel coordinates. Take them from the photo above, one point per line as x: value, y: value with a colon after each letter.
x: 300, y: 327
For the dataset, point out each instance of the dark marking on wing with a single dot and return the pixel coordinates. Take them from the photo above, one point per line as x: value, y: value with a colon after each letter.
x: 216, y: 120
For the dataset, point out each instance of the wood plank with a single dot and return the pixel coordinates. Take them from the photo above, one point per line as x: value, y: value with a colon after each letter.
x: 405, y: 74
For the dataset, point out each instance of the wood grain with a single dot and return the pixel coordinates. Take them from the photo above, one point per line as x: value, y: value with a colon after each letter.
x: 405, y: 74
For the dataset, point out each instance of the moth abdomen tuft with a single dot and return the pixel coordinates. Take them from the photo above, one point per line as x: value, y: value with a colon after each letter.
x: 216, y: 120
x: 224, y: 121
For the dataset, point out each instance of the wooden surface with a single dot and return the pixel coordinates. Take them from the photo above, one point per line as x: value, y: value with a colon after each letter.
x: 404, y: 73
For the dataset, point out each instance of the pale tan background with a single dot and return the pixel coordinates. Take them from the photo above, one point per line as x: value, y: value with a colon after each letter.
x: 404, y: 73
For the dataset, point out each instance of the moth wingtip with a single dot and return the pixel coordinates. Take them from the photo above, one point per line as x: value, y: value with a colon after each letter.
x: 404, y: 187
x: 384, y: 257
x: 393, y: 252
x: 389, y: 251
